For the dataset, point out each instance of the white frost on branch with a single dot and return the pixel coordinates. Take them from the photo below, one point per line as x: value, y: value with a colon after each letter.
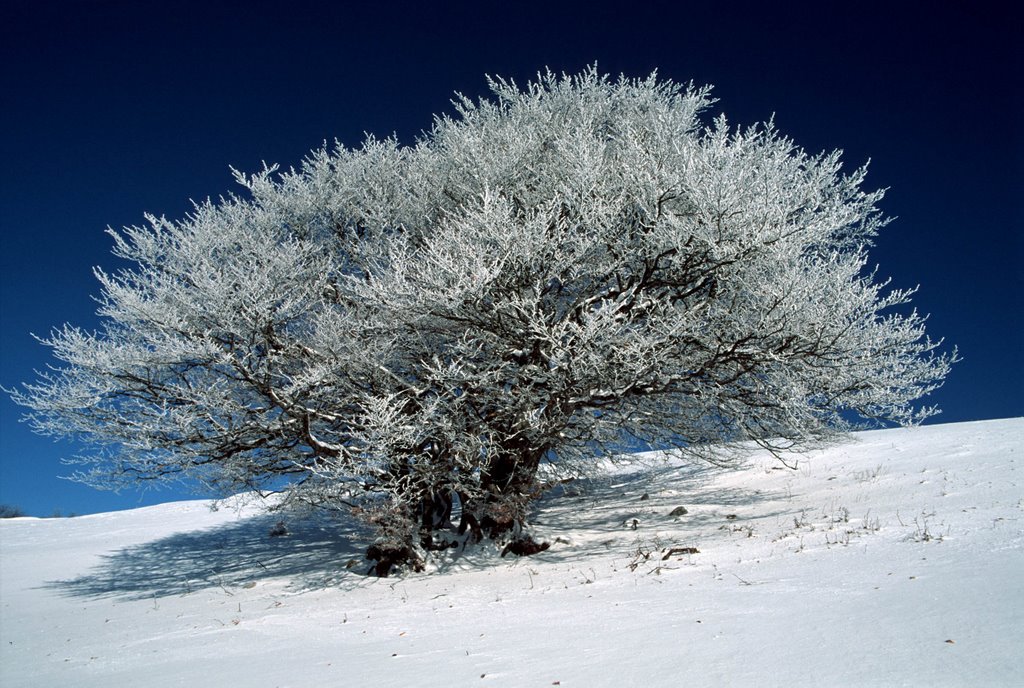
x: 575, y: 264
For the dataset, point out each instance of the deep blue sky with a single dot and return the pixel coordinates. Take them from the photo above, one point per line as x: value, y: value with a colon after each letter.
x: 113, y: 109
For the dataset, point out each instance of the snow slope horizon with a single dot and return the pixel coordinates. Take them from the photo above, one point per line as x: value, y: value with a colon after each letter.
x: 892, y: 559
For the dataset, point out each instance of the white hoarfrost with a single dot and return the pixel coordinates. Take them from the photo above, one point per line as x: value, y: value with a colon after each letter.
x: 893, y: 559
x: 582, y: 263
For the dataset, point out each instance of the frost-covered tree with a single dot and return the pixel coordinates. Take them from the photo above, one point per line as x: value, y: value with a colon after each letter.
x: 553, y: 273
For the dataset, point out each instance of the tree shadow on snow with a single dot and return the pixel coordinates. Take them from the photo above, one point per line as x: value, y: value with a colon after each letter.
x: 313, y: 554
x: 582, y: 519
x: 615, y: 512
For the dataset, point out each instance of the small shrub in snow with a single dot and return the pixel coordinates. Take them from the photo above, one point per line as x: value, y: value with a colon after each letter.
x: 10, y: 511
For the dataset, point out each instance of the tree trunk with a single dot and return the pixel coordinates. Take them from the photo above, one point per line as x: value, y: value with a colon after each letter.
x: 510, y: 484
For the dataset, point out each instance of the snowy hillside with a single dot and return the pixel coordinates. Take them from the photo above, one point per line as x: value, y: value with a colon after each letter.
x: 894, y: 559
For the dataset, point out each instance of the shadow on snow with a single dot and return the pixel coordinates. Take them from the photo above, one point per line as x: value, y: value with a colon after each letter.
x: 313, y: 554
x: 582, y: 519
x: 616, y: 512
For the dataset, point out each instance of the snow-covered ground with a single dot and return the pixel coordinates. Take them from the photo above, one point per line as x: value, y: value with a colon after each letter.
x: 896, y: 559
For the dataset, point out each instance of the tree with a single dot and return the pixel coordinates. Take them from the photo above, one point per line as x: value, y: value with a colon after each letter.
x: 564, y: 269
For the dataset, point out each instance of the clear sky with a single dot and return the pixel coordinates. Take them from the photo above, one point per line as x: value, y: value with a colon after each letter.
x: 109, y: 110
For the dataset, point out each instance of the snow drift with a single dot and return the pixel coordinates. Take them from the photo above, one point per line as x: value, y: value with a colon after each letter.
x: 892, y: 559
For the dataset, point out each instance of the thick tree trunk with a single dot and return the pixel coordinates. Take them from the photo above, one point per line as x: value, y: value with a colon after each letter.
x: 435, y: 515
x: 389, y: 557
x: 508, y: 486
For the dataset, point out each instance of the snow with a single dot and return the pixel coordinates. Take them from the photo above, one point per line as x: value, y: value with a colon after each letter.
x: 894, y: 559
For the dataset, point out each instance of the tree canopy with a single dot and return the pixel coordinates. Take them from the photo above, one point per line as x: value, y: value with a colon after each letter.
x: 553, y: 272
